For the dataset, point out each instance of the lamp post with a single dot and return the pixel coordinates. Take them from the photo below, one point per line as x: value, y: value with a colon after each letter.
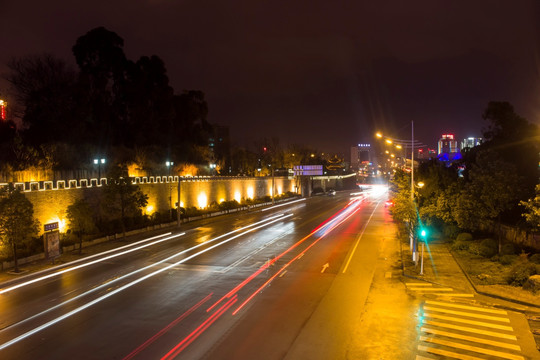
x: 98, y: 162
x: 169, y: 164
x: 413, y: 144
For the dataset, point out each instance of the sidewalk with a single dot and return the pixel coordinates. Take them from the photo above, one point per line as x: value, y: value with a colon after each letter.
x: 441, y: 268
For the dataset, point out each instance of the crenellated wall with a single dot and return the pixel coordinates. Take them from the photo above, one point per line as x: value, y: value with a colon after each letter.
x: 51, y: 199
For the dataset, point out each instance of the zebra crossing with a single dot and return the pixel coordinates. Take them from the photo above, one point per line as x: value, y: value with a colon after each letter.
x: 454, y: 330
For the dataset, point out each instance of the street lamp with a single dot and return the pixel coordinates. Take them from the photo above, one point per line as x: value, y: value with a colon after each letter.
x: 98, y: 162
x: 169, y: 164
x: 413, y: 145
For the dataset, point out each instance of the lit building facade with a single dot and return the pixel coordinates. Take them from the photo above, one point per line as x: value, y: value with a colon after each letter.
x: 470, y: 142
x: 447, y: 145
x: 360, y: 155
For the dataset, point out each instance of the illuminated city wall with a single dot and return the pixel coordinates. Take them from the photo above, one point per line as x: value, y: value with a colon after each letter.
x: 51, y: 199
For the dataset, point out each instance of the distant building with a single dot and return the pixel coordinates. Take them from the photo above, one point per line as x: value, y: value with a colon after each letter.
x: 3, y: 112
x: 360, y: 154
x: 470, y: 142
x: 220, y: 149
x: 448, y: 148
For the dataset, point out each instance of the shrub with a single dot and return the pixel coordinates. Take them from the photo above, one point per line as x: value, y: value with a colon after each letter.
x: 520, y: 273
x: 450, y: 231
x: 535, y: 259
x: 460, y: 245
x: 508, y: 249
x: 486, y: 248
x: 508, y: 259
x: 464, y: 237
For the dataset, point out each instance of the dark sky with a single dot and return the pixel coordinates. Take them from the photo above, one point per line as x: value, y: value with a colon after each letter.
x: 322, y: 73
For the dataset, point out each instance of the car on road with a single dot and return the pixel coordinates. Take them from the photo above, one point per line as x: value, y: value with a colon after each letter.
x: 331, y: 192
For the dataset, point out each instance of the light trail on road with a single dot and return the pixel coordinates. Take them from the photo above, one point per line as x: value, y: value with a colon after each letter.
x: 327, y: 227
x: 249, y: 228
x: 41, y: 278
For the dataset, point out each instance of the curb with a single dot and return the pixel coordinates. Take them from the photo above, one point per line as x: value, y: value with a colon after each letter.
x: 524, y: 303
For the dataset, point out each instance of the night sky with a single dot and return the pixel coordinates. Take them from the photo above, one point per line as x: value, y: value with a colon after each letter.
x: 320, y: 73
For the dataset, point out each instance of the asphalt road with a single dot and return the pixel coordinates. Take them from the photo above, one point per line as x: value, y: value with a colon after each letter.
x: 239, y: 286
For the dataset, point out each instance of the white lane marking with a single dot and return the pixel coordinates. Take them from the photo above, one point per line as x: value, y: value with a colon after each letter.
x: 448, y: 354
x: 471, y: 330
x: 467, y: 307
x: 413, y: 284
x: 471, y: 339
x: 471, y: 322
x: 324, y: 267
x: 467, y: 314
x: 447, y: 295
x: 471, y: 348
x: 358, y: 239
x: 431, y: 289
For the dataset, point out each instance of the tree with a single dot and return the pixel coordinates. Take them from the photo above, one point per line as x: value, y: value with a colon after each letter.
x: 81, y: 221
x: 17, y: 223
x: 532, y: 210
x: 122, y: 196
x: 44, y: 86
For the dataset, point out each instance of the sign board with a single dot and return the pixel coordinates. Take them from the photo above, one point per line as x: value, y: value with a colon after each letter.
x: 51, y: 226
x: 309, y: 170
x: 52, y: 244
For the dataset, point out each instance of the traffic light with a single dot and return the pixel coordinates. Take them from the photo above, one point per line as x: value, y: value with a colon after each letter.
x: 423, y: 234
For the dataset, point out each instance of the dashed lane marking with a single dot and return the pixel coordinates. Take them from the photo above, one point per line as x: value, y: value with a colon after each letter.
x: 418, y: 284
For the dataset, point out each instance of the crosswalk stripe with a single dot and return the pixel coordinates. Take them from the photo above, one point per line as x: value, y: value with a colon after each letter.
x: 467, y: 307
x: 418, y: 284
x: 468, y: 314
x: 455, y: 295
x: 447, y: 353
x: 471, y: 348
x: 471, y: 330
x: 431, y: 289
x: 471, y: 338
x: 471, y: 322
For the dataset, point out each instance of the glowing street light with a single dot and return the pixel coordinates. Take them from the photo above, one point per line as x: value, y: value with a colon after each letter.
x: 98, y: 162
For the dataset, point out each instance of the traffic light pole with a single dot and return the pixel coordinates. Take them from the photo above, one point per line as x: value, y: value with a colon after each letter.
x: 422, y: 260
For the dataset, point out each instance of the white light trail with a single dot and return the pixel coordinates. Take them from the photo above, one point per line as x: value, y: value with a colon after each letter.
x: 91, y: 262
x: 280, y: 205
x: 250, y: 228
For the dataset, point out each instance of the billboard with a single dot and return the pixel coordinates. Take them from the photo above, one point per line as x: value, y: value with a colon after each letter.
x: 308, y: 170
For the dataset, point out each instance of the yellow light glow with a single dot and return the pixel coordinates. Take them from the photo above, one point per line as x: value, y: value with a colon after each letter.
x: 387, y: 152
x: 379, y: 135
x: 221, y: 200
x: 279, y: 190
x: 392, y: 155
x: 388, y: 141
x: 250, y: 192
x: 181, y: 204
x: 61, y: 223
x: 421, y: 184
x: 399, y: 147
x: 149, y: 209
x: 202, y: 200
x: 237, y: 196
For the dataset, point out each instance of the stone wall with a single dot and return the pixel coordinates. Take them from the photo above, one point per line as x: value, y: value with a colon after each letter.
x: 51, y: 199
